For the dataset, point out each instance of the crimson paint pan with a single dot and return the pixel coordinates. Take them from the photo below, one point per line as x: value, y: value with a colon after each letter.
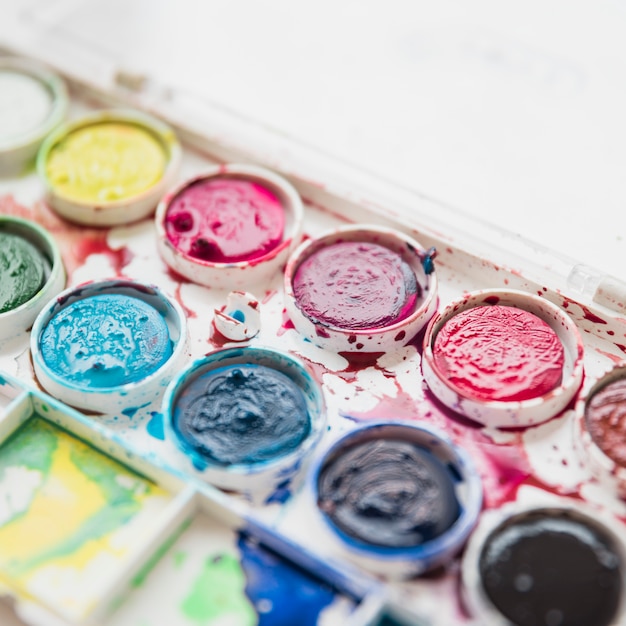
x: 503, y: 358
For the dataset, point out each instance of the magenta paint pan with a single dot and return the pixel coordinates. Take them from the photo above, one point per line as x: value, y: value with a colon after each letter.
x: 360, y: 289
x: 109, y: 346
x: 398, y: 499
x: 232, y: 227
x: 560, y: 563
x: 31, y: 272
x: 503, y: 358
x: 600, y: 429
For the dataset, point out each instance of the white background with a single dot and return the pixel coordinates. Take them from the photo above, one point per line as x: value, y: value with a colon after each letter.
x: 510, y: 111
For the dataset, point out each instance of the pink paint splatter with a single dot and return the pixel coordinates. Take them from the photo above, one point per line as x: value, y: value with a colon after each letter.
x: 75, y: 242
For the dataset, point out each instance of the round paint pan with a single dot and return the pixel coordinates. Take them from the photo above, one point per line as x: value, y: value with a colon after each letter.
x: 33, y: 101
x: 109, y: 346
x: 232, y: 227
x: 600, y: 429
x: 246, y: 418
x: 108, y: 168
x: 503, y: 358
x: 31, y: 272
x: 549, y: 565
x: 360, y: 289
x: 398, y: 499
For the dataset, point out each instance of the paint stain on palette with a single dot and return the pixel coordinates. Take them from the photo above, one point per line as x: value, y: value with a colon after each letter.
x: 208, y: 578
x: 71, y: 517
x: 76, y: 243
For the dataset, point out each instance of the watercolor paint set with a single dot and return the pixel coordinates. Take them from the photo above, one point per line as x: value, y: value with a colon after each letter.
x: 236, y: 391
x: 92, y: 533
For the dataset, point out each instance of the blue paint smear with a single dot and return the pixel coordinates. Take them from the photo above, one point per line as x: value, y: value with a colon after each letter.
x: 281, y: 494
x: 427, y: 261
x: 238, y: 315
x: 155, y: 426
x: 282, y: 594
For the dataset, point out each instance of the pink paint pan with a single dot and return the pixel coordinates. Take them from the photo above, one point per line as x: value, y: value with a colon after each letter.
x: 516, y: 363
x: 232, y: 227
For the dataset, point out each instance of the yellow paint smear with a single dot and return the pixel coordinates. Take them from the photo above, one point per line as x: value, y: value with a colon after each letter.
x: 105, y: 162
x: 63, y: 506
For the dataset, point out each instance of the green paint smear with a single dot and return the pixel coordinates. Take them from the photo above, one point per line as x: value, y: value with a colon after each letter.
x: 32, y: 446
x: 142, y: 574
x: 104, y: 472
x: 219, y: 592
x: 97, y: 526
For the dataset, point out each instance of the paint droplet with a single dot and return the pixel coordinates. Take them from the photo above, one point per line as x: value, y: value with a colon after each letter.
x: 155, y: 426
x: 237, y: 315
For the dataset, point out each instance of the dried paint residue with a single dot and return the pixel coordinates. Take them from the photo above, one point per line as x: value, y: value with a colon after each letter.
x: 282, y: 594
x: 75, y: 242
x: 218, y: 594
x: 71, y: 516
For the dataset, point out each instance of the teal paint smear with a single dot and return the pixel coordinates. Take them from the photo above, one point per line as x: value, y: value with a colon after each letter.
x: 219, y: 593
x: 238, y: 315
x: 155, y: 426
x: 132, y: 410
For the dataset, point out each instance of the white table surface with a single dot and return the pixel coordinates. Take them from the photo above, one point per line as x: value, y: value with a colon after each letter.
x: 512, y: 112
